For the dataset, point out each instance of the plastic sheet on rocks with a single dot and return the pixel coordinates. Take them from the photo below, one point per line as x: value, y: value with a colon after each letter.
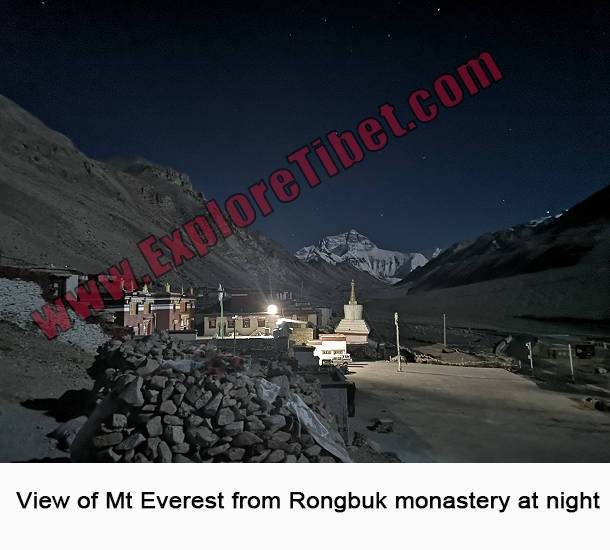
x: 183, y: 365
x: 324, y: 436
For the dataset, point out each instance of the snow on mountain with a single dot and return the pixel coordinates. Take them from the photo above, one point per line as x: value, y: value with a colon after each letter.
x: 363, y: 254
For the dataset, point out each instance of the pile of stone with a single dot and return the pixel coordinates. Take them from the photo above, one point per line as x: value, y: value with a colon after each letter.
x: 162, y: 400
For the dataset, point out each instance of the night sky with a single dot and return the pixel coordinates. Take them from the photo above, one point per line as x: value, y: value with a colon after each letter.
x: 225, y: 93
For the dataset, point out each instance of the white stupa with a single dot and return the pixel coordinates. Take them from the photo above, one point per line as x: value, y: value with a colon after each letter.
x: 353, y: 326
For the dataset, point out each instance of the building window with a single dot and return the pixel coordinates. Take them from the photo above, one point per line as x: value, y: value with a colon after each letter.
x: 212, y: 322
x: 133, y: 308
x: 246, y: 323
x: 147, y: 307
x: 261, y: 322
x: 231, y: 322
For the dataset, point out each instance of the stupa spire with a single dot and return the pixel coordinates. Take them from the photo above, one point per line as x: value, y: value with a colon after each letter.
x: 352, y: 297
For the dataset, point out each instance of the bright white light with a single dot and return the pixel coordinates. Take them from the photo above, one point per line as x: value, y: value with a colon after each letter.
x: 272, y: 309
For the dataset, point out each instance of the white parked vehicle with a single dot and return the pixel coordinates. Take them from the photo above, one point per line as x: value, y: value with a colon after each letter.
x: 336, y: 359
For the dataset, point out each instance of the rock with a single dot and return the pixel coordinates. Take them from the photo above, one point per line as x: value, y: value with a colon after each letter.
x: 235, y: 454
x: 194, y: 421
x: 154, y: 426
x: 177, y: 399
x: 181, y: 448
x: 66, y: 433
x: 168, y: 407
x: 245, y: 439
x: 150, y: 366
x: 293, y: 448
x: 140, y: 458
x: 210, y: 414
x: 158, y: 382
x: 226, y: 387
x: 151, y: 396
x: 150, y: 447
x: 172, y: 420
x: 312, y: 451
x: 211, y: 407
x: 255, y: 425
x: 134, y: 361
x: 173, y: 434
x: 193, y: 394
x: 601, y: 370
x: 274, y: 422
x: 284, y: 437
x: 260, y: 457
x: 382, y: 425
x: 233, y: 428
x: 131, y: 394
x: 184, y: 410
x: 107, y: 440
x: 167, y: 391
x: 276, y: 456
x: 131, y: 442
x: 118, y: 421
x: 241, y: 394
x: 128, y: 456
x: 201, y: 436
x: 274, y: 445
x: 163, y: 452
x: 225, y: 416
x: 213, y: 451
x: 228, y: 401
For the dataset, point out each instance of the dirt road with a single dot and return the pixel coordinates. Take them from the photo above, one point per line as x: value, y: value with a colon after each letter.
x: 467, y: 414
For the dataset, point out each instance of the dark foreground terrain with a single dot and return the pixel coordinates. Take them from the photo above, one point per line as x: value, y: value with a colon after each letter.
x: 34, y: 375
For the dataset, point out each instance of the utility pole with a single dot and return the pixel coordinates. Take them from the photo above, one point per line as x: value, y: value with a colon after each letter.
x: 444, y: 330
x: 234, y: 334
x: 530, y: 355
x: 398, y: 342
x: 221, y: 296
x: 571, y: 364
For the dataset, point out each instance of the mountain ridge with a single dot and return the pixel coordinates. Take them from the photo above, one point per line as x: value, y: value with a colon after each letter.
x: 61, y: 207
x: 355, y: 249
x: 576, y: 235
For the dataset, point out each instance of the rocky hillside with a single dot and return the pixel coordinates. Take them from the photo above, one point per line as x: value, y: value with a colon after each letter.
x: 353, y: 248
x: 548, y: 276
x: 578, y: 236
x: 60, y: 207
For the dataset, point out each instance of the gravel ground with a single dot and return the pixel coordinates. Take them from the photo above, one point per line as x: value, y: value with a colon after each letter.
x: 471, y: 414
x: 34, y: 373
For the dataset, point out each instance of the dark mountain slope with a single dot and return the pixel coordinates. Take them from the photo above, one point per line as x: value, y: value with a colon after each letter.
x: 60, y: 207
x: 580, y: 235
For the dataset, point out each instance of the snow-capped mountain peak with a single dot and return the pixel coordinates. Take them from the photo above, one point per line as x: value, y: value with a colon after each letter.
x: 363, y: 254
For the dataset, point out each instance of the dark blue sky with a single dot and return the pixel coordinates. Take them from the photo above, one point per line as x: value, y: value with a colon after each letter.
x: 226, y: 93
